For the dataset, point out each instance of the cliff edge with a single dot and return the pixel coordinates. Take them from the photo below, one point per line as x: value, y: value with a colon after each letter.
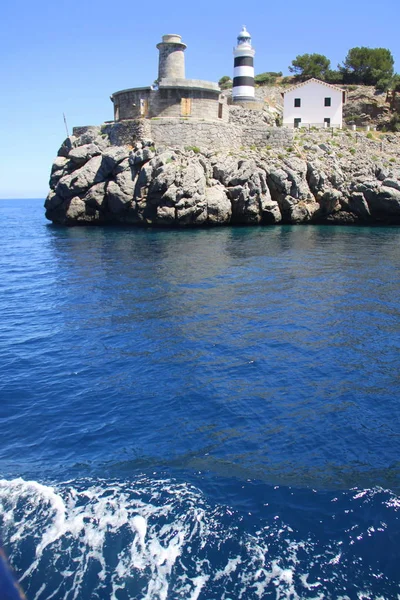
x: 323, y: 177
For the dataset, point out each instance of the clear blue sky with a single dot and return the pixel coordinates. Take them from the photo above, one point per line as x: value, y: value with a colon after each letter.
x: 60, y: 56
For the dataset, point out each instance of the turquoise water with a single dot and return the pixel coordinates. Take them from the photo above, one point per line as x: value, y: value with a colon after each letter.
x: 199, y: 414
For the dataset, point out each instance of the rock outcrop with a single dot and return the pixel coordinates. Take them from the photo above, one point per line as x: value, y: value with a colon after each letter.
x: 345, y: 178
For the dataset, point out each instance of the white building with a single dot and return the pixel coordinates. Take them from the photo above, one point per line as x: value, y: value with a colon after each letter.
x: 315, y: 103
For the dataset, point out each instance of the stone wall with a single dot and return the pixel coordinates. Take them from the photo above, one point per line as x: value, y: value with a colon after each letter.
x: 124, y: 133
x: 186, y: 132
x: 175, y: 133
x: 203, y: 134
x: 261, y: 136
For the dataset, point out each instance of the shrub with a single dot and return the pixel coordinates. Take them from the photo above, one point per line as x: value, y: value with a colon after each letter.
x: 225, y: 83
x: 269, y: 77
x: 394, y: 123
x: 370, y: 136
x: 352, y: 151
x: 194, y: 149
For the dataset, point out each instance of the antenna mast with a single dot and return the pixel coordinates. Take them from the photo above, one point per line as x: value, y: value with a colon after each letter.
x: 66, y: 126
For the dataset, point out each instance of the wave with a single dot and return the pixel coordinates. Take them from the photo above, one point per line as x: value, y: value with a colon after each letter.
x: 156, y: 539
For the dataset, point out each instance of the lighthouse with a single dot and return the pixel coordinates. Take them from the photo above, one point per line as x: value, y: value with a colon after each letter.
x: 243, y: 71
x: 171, y: 63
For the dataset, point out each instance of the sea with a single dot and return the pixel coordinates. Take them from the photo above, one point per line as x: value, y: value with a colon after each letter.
x: 205, y: 414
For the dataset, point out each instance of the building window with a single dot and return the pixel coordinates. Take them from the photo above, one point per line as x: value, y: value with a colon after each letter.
x: 344, y: 97
x: 297, y: 123
x: 297, y: 102
x: 327, y: 102
x: 327, y: 121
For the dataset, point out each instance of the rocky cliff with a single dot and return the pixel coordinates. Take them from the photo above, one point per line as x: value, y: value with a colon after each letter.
x: 345, y: 177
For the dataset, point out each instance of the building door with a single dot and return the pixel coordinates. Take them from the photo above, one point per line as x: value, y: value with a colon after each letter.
x: 186, y: 107
x: 297, y: 123
x: 220, y: 109
x: 327, y: 121
x: 144, y: 107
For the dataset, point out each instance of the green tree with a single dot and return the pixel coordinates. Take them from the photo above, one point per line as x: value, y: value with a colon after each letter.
x: 369, y: 66
x: 395, y: 83
x: 305, y: 66
x: 225, y: 83
x: 394, y: 124
x: 333, y: 76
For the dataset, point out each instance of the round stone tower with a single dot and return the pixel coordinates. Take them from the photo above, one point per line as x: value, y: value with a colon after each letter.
x: 243, y: 71
x: 171, y: 62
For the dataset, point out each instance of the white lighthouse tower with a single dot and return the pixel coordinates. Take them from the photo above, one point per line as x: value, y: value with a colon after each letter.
x: 243, y: 71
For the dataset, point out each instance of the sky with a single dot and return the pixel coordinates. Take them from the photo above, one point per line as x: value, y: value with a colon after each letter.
x: 58, y: 56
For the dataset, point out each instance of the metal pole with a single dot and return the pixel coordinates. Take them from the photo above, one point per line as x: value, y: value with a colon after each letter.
x: 66, y: 126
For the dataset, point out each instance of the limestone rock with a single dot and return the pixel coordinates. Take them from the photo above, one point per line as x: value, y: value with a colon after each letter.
x: 96, y: 195
x: 358, y: 205
x: 270, y: 213
x: 67, y: 146
x: 330, y: 180
x: 191, y: 211
x: 81, y: 154
x: 330, y: 202
x: 82, y: 179
x: 219, y: 208
x: 393, y: 183
x: 117, y: 200
x: 383, y: 202
x: 76, y: 208
x: 53, y: 201
x: 298, y: 211
x: 166, y: 216
x: 61, y: 166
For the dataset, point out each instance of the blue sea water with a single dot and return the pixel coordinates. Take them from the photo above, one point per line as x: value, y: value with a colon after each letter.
x: 204, y: 414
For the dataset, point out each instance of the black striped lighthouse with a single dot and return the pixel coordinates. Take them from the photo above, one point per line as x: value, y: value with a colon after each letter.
x: 243, y: 71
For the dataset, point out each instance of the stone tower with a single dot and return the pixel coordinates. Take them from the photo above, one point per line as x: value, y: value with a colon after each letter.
x: 243, y: 71
x: 171, y: 61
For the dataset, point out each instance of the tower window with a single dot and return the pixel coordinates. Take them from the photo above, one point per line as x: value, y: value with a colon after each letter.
x: 297, y: 102
x: 327, y: 102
